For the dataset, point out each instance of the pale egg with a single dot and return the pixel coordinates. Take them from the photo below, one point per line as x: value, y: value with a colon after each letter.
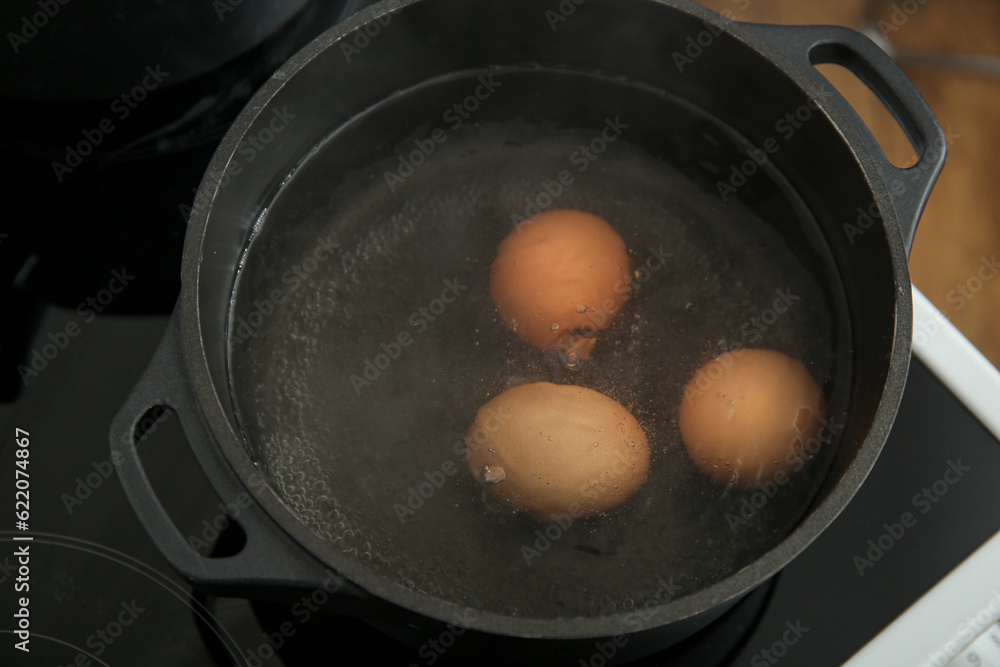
x: 557, y: 451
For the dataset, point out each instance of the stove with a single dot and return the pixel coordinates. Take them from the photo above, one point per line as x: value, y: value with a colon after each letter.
x: 902, y: 577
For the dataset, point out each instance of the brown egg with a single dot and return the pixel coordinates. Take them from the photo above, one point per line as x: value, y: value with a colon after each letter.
x: 746, y: 414
x: 557, y: 451
x: 559, y: 278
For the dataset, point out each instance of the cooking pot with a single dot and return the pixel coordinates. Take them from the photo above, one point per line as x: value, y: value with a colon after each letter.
x: 334, y: 335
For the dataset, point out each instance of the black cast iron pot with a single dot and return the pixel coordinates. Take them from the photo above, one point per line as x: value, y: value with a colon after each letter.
x: 378, y: 169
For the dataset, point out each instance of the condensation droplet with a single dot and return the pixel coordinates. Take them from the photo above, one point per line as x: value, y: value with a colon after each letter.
x: 554, y: 327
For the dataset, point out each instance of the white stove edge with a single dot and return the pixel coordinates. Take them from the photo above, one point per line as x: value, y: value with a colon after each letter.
x: 955, y: 622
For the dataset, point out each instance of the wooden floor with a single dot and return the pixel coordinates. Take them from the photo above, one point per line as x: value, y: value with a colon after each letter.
x: 946, y: 47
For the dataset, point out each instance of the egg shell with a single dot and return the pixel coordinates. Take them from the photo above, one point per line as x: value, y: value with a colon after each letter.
x: 539, y: 440
x: 559, y: 278
x: 745, y: 416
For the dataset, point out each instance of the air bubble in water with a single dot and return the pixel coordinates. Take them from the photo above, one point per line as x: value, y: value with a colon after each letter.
x: 491, y: 475
x: 571, y: 359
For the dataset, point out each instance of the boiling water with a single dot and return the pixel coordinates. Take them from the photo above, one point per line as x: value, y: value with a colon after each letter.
x: 355, y: 393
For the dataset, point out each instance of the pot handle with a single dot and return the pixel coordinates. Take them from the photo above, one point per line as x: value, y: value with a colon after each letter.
x: 808, y: 46
x: 265, y: 567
